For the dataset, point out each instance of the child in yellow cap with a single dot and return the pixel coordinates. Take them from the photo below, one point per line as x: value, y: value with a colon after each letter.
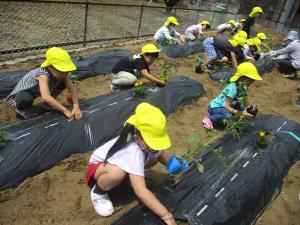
x: 46, y: 81
x: 252, y: 49
x: 229, y: 26
x: 141, y: 144
x: 195, y: 31
x: 167, y: 33
x: 126, y: 72
x: 250, y: 21
x: 221, y: 50
x: 226, y: 104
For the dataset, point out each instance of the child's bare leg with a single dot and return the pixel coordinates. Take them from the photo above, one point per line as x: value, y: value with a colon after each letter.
x: 109, y: 176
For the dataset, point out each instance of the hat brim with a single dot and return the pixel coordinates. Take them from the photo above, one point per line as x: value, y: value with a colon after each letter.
x: 63, y: 67
x: 155, y: 143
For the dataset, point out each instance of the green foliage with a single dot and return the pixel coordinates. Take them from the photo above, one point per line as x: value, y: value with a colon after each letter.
x: 269, y: 40
x: 74, y: 79
x: 242, y: 95
x: 196, y: 146
x: 235, y: 128
x: 262, y: 140
x: 166, y: 69
x: 199, y: 58
x: 139, y: 89
x: 2, y: 138
x: 166, y: 43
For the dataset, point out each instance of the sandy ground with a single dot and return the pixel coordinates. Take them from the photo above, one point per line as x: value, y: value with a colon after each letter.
x: 59, y: 195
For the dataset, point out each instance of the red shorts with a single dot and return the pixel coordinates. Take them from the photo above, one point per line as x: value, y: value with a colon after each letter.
x: 91, y: 169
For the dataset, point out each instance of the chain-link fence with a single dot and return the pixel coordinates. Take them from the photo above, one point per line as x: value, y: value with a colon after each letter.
x: 27, y: 26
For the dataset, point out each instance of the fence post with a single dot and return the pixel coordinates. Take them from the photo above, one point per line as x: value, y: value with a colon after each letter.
x: 140, y: 21
x: 85, y: 22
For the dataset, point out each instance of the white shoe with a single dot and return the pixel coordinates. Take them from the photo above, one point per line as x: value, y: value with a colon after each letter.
x: 292, y: 75
x: 102, y: 203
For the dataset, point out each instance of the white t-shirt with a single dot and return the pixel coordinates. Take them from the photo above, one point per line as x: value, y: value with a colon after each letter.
x: 224, y: 26
x: 165, y: 33
x: 130, y: 159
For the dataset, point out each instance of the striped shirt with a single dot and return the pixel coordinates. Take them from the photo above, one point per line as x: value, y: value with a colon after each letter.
x: 30, y: 83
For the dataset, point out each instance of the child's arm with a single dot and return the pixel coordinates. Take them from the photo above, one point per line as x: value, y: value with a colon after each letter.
x: 229, y: 108
x: 76, y: 110
x: 149, y: 199
x: 233, y: 60
x: 148, y: 76
x: 46, y: 96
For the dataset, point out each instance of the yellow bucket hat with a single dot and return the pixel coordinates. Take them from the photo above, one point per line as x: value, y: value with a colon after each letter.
x: 240, y: 34
x: 171, y: 19
x: 242, y: 20
x: 246, y: 69
x: 204, y: 22
x: 255, y: 10
x: 149, y: 48
x: 151, y: 122
x: 231, y: 22
x: 237, y: 41
x: 261, y: 36
x: 60, y: 59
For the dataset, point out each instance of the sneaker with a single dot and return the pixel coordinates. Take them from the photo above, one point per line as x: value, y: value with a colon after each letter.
x: 102, y: 203
x: 113, y: 87
x: 292, y: 75
x: 27, y: 114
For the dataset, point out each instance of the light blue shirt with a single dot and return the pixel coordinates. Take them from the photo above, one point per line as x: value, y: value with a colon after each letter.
x: 229, y: 91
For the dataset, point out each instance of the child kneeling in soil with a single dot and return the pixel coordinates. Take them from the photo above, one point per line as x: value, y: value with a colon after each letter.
x: 126, y: 72
x: 47, y: 81
x: 221, y: 50
x: 196, y: 31
x: 141, y: 144
x: 226, y: 104
x: 167, y: 33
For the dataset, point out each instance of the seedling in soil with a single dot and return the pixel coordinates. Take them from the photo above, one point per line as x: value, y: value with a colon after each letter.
x: 166, y: 69
x: 269, y: 41
x: 196, y: 146
x: 235, y: 128
x: 139, y: 89
x: 74, y: 80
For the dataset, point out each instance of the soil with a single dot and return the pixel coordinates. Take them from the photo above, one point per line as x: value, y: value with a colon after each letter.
x: 59, y: 195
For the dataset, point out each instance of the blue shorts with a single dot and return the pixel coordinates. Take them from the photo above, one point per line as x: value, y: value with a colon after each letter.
x: 218, y: 114
x: 210, y: 49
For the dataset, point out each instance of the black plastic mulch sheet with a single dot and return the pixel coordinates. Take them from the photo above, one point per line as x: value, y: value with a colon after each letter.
x: 233, y: 196
x: 263, y: 66
x: 181, y: 51
x: 35, y: 145
x: 88, y: 66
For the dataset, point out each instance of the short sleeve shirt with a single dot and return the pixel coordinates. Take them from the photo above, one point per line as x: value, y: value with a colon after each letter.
x: 224, y: 26
x: 223, y: 46
x: 229, y: 91
x: 164, y: 33
x: 133, y: 64
x: 30, y: 83
x: 130, y: 158
x: 195, y: 29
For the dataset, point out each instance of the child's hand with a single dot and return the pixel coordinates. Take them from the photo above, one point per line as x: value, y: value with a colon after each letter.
x: 245, y: 113
x: 68, y: 114
x: 161, y: 83
x: 76, y: 112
